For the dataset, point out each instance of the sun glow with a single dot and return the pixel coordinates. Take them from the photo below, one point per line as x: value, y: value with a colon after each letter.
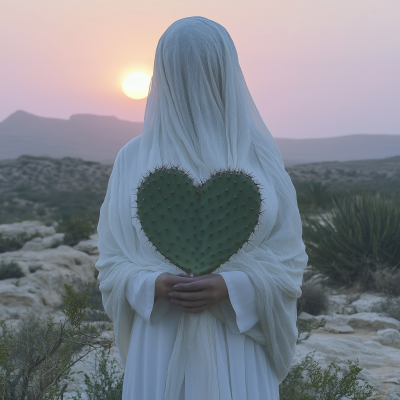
x: 136, y: 85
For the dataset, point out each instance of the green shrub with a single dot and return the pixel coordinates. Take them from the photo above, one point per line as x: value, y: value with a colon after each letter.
x: 95, y: 310
x: 308, y: 381
x: 76, y: 228
x: 358, y: 236
x: 35, y: 363
x: 313, y: 300
x: 106, y: 382
x: 313, y: 196
x: 10, y: 270
x: 319, y: 194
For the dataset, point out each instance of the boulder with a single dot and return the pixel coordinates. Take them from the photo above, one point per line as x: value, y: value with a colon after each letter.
x: 303, y: 316
x: 367, y: 302
x: 337, y: 303
x: 388, y: 337
x: 40, y: 290
x: 38, y: 244
x: 381, y: 364
x: 89, y: 246
x: 306, y: 317
x: 366, y: 321
x: 329, y: 326
x: 26, y: 227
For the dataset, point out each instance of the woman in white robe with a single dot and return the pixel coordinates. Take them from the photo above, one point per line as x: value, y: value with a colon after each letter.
x: 239, y: 343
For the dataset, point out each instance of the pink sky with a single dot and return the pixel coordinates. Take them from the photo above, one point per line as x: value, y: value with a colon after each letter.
x: 315, y: 68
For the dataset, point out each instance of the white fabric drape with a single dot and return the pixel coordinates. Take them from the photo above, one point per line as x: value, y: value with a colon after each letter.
x: 201, y: 116
x: 244, y: 371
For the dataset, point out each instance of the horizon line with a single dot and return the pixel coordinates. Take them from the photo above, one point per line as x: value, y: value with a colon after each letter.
x: 141, y: 122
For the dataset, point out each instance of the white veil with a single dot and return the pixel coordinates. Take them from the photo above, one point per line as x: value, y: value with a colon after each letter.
x: 200, y: 115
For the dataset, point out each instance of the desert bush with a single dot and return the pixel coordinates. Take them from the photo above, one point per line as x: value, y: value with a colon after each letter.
x: 359, y: 235
x: 319, y: 194
x: 14, y: 243
x: 313, y: 196
x: 10, y: 270
x: 308, y: 381
x: 304, y: 328
x: 387, y: 281
x: 95, y: 310
x: 313, y: 300
x: 76, y: 228
x: 35, y: 362
x: 106, y: 382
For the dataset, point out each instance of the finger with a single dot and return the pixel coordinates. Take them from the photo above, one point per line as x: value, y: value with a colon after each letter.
x: 206, y: 276
x: 188, y: 295
x: 191, y: 276
x: 194, y: 285
x: 197, y: 309
x: 188, y: 303
x: 176, y: 279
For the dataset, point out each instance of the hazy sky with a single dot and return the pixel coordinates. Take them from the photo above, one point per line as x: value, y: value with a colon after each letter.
x: 315, y: 68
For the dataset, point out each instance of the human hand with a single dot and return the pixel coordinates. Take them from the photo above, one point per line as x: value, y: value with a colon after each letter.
x: 165, y: 282
x: 199, y: 294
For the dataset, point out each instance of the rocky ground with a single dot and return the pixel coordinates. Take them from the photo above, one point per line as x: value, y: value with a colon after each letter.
x: 43, y: 174
x: 352, y: 331
x: 45, y: 188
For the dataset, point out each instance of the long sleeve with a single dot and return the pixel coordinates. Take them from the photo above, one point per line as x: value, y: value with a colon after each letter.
x: 239, y: 309
x: 140, y: 294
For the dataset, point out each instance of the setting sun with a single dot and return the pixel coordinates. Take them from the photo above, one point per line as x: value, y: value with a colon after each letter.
x: 136, y: 85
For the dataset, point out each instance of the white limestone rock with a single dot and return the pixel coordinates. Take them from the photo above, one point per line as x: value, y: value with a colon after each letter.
x: 329, y: 326
x: 348, y: 310
x: 381, y: 364
x: 337, y: 303
x: 388, y: 337
x: 26, y: 227
x: 366, y: 321
x: 38, y: 244
x: 367, y: 302
x: 303, y: 316
x: 40, y: 290
x: 89, y: 246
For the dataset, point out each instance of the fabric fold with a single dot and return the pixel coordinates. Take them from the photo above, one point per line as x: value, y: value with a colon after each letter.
x: 193, y: 359
x: 241, y: 299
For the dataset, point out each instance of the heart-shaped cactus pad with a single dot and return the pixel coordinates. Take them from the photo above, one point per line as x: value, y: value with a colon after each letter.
x: 198, y: 227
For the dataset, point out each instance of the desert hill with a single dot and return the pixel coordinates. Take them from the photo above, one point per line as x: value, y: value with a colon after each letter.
x: 90, y: 137
x: 382, y: 175
x: 339, y: 148
x: 45, y: 187
x: 99, y: 138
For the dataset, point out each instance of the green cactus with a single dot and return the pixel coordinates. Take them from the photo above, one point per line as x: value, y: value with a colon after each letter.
x: 198, y: 227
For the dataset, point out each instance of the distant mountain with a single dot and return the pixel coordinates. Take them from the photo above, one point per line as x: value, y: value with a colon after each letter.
x: 339, y: 148
x: 99, y: 138
x: 90, y: 137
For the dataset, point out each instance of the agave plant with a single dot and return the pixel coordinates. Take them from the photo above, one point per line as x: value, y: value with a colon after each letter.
x: 318, y: 193
x: 359, y: 235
